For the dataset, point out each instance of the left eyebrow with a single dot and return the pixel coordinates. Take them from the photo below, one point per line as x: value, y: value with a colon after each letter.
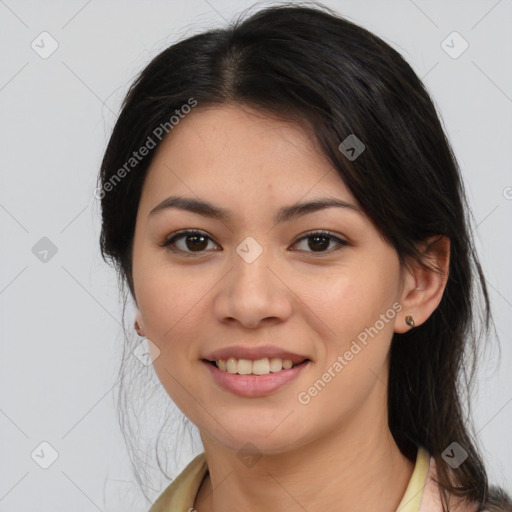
x: 284, y: 214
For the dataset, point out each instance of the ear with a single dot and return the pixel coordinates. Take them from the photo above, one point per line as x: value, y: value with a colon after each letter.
x: 423, y: 288
x: 139, y: 325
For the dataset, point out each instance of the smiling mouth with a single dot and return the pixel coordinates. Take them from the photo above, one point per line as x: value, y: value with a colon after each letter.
x: 262, y: 366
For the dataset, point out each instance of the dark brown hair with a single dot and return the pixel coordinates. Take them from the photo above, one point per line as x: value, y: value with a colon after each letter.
x: 310, y: 65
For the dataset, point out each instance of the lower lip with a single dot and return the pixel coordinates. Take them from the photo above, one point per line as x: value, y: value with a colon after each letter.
x: 254, y: 385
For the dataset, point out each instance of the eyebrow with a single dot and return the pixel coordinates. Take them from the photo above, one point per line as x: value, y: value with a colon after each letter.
x: 284, y: 214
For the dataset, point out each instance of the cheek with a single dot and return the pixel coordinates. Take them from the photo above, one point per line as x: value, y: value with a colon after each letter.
x: 170, y: 302
x: 174, y: 316
x: 359, y: 305
x: 353, y: 362
x: 351, y: 298
x: 169, y: 298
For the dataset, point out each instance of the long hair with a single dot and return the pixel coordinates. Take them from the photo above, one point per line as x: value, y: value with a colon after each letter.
x: 309, y: 65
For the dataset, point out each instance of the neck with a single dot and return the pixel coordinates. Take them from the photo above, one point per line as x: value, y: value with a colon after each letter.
x: 353, y: 467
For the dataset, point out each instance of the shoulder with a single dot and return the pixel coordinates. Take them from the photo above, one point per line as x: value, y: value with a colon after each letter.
x: 497, y: 501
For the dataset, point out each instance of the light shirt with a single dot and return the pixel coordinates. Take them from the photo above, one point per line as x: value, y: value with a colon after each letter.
x: 421, y: 494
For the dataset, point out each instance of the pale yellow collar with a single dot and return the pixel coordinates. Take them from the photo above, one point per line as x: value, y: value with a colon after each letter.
x: 412, y: 498
x: 180, y: 495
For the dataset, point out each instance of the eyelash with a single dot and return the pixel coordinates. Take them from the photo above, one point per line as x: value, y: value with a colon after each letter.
x: 169, y: 241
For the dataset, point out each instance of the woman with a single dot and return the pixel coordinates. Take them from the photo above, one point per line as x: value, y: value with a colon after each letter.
x: 283, y: 204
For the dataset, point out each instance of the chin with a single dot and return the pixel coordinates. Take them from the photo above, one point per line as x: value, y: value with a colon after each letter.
x: 263, y: 439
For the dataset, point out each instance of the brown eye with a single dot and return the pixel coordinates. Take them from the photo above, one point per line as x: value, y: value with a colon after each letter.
x: 187, y: 242
x: 319, y: 241
x: 190, y: 242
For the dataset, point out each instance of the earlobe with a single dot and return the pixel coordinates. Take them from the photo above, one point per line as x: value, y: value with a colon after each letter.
x: 424, y: 285
x: 138, y: 324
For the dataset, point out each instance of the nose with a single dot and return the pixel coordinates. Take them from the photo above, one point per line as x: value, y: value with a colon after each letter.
x: 253, y: 293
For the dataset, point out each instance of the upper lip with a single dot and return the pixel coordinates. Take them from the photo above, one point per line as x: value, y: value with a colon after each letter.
x: 254, y: 353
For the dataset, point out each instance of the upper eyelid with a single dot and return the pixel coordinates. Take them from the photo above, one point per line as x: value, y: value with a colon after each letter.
x: 183, y: 233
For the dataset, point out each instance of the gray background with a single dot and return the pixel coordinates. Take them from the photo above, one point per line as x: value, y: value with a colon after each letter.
x: 60, y: 318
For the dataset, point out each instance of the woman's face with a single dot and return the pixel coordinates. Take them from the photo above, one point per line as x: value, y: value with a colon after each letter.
x: 253, y: 280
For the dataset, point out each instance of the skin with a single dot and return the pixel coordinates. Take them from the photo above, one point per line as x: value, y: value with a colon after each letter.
x: 336, y: 452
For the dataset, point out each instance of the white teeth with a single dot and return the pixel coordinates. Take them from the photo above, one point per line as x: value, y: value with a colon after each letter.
x: 287, y: 364
x: 259, y: 367
x: 244, y: 367
x: 231, y: 365
x: 276, y: 364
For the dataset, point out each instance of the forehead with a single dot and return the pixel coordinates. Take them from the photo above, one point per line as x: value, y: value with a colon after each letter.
x: 235, y: 152
x: 240, y: 124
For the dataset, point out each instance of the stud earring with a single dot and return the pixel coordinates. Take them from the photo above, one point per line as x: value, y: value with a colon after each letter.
x: 409, y: 320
